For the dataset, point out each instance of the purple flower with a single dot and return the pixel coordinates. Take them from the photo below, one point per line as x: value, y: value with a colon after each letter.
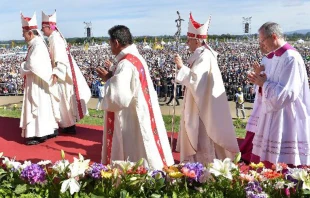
x: 95, y: 170
x: 197, y: 167
x: 254, y: 190
x: 33, y: 174
x: 158, y: 172
x: 254, y: 186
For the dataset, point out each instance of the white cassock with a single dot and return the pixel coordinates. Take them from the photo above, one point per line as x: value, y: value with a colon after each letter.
x: 37, y: 117
x: 206, y: 130
x: 68, y: 103
x: 251, y: 127
x: 284, y: 124
x: 133, y: 138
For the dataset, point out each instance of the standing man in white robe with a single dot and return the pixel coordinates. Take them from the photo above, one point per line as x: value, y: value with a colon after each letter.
x: 133, y: 127
x: 73, y: 88
x: 251, y: 127
x: 284, y: 124
x: 37, y: 118
x: 207, y: 130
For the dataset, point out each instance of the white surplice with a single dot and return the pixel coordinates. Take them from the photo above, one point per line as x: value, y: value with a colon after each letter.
x: 284, y: 124
x: 254, y: 117
x: 133, y: 138
x: 37, y: 117
x: 206, y: 130
x: 68, y: 102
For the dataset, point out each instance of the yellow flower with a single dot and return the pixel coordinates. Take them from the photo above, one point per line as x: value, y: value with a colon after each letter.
x: 106, y: 175
x: 171, y: 169
x: 256, y: 166
x: 175, y: 174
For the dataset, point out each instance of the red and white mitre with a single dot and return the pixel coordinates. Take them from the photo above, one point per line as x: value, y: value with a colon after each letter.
x: 29, y: 23
x: 197, y: 30
x: 49, y: 19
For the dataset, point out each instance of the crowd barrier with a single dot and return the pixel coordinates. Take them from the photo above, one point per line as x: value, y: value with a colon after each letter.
x: 10, y: 91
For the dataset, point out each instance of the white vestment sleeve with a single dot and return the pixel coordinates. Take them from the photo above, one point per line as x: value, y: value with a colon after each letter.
x: 119, y: 90
x: 60, y: 71
x: 194, y: 79
x: 279, y: 94
x: 24, y: 71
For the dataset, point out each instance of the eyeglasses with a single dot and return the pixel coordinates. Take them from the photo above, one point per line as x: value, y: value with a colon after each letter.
x: 263, y: 39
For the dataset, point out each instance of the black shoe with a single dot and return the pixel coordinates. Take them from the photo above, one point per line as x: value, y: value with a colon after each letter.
x: 70, y: 130
x: 35, y: 140
x: 32, y: 142
x: 53, y: 135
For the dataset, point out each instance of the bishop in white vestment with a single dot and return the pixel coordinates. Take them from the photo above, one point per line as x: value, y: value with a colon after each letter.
x: 206, y: 130
x: 73, y: 88
x: 37, y: 117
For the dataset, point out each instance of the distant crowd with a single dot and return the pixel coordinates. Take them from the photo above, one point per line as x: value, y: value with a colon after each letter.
x: 234, y: 60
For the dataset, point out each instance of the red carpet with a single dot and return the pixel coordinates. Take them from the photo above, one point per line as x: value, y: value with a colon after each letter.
x: 87, y: 141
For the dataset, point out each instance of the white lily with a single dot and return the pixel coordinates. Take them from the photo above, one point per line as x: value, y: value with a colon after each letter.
x: 297, y: 173
x: 222, y: 168
x: 26, y: 163
x: 125, y: 165
x: 79, y: 166
x: 61, y: 165
x: 72, y: 184
x: 279, y: 185
x: 291, y: 185
x: 11, y: 163
x: 44, y: 162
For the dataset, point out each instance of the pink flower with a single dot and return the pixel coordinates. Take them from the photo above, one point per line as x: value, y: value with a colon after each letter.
x: 287, y: 192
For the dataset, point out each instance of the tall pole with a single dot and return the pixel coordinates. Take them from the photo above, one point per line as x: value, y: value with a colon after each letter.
x: 177, y: 39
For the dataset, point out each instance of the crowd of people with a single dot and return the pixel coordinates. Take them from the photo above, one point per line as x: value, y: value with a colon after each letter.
x: 57, y: 90
x: 235, y: 59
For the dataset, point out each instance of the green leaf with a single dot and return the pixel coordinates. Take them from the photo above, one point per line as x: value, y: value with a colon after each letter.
x: 96, y: 196
x: 237, y: 158
x: 20, y: 189
x: 174, y: 194
x: 306, y: 192
x: 123, y: 194
x: 155, y: 196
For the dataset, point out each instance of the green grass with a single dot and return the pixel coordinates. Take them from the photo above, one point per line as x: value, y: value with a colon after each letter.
x: 96, y: 118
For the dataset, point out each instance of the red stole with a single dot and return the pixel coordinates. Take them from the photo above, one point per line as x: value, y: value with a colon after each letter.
x: 75, y: 85
x: 110, y: 115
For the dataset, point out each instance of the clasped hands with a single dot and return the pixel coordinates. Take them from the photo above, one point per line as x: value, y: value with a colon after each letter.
x: 103, y: 73
x: 256, y: 77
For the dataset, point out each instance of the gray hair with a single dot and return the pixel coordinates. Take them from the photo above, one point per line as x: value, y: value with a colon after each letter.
x: 270, y: 28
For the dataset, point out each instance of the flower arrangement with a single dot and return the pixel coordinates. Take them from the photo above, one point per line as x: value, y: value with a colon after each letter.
x: 81, y: 178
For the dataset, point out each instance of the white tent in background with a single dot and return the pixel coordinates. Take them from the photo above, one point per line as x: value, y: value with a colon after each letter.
x: 300, y: 41
x: 163, y: 43
x: 147, y: 47
x: 105, y: 45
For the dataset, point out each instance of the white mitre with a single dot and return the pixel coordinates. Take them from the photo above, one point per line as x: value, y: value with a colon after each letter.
x: 197, y: 30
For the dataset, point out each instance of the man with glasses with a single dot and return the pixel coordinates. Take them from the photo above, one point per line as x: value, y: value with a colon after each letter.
x: 206, y: 130
x: 284, y: 122
x: 73, y: 88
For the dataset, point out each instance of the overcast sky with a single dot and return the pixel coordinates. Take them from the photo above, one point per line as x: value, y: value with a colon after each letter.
x: 154, y: 17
